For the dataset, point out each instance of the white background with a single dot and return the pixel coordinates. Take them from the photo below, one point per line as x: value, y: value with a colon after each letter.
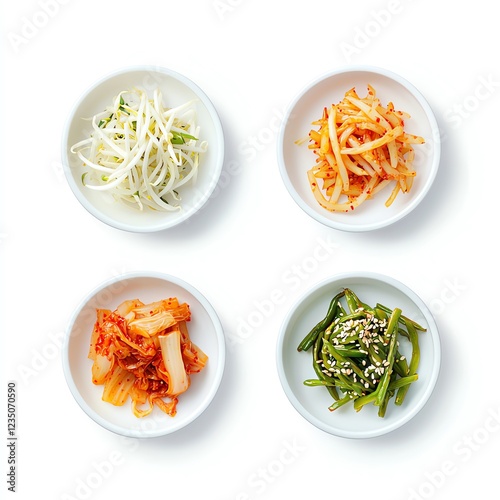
x: 251, y: 58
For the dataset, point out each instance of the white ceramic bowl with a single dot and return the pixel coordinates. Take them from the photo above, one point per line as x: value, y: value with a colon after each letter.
x: 176, y: 89
x: 294, y: 367
x: 295, y: 160
x: 205, y: 330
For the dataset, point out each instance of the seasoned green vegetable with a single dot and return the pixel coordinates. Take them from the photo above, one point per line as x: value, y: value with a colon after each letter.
x: 356, y: 353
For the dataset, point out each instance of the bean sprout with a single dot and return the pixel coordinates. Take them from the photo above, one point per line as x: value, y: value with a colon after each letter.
x: 142, y: 151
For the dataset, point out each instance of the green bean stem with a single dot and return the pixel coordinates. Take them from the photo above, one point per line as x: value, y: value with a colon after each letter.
x: 392, y: 330
x: 309, y: 339
x: 414, y: 361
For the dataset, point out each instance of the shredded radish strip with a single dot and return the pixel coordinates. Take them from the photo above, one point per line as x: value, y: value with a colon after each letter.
x: 141, y: 151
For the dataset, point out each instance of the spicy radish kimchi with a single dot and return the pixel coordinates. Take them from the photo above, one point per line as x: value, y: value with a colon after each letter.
x: 143, y: 351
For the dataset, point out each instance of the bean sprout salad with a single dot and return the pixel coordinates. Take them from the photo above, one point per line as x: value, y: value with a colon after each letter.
x: 141, y: 151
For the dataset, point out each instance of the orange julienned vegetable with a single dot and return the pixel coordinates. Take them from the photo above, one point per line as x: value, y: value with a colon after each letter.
x: 360, y: 147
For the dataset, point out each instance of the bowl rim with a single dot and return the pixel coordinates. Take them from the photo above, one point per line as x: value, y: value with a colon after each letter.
x: 433, y: 329
x: 435, y: 133
x: 219, y: 371
x: 207, y: 103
